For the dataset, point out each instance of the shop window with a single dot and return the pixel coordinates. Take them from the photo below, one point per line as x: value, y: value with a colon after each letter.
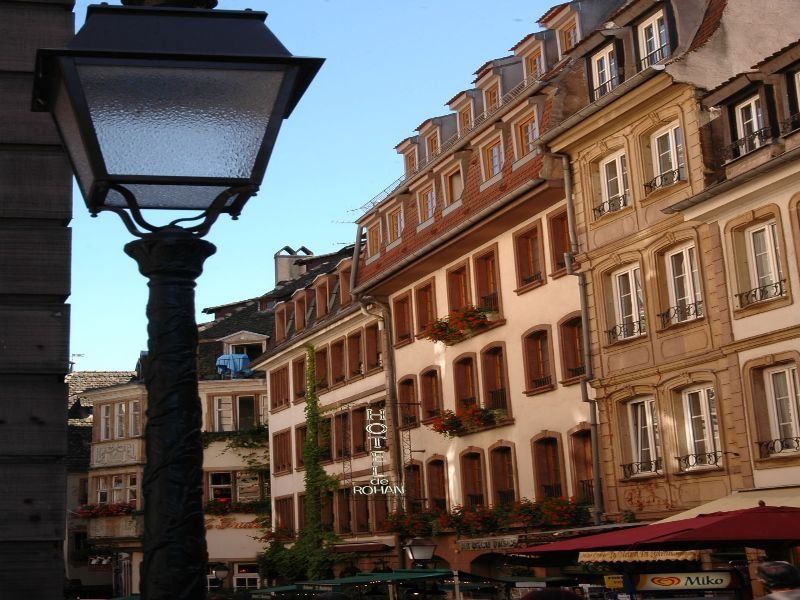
x: 548, y: 470
x: 501, y: 460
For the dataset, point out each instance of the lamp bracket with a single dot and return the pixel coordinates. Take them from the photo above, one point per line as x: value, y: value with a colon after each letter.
x: 138, y: 226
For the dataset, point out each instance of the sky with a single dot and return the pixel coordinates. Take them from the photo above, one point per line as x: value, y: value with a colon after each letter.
x: 390, y: 64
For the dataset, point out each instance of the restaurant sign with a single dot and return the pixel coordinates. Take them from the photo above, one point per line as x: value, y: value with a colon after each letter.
x: 490, y: 543
x: 376, y: 440
x: 701, y: 580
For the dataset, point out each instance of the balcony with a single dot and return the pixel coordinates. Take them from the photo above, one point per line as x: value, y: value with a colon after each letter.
x: 497, y: 399
x: 646, y: 467
x: 691, y: 462
x: 490, y: 302
x: 585, y: 492
x: 551, y: 490
x: 544, y: 381
x: 778, y: 446
x: 681, y: 313
x: 117, y: 452
x: 665, y: 179
x: 605, y: 87
x: 625, y: 331
x: 791, y: 124
x: 532, y: 278
x: 760, y: 294
x: 747, y: 144
x: 108, y: 530
x: 577, y: 371
x: 506, y: 497
x: 655, y: 57
x: 611, y: 205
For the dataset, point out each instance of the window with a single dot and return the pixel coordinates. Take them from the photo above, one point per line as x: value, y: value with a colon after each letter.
x: 425, y: 303
x: 464, y: 119
x: 373, y: 240
x: 223, y: 413
x: 415, y: 494
x: 407, y: 398
x: 492, y: 98
x: 527, y: 133
x: 355, y: 357
x: 220, y: 486
x: 281, y: 452
x: 402, y: 318
x: 105, y: 421
x: 501, y: 461
x: 432, y: 145
x: 124, y: 489
x: 361, y: 504
x: 279, y: 388
x: 668, y: 162
x: 280, y: 323
x: 250, y: 486
x: 372, y: 347
x: 337, y: 362
x: 136, y: 418
x: 395, y: 224
x: 547, y: 467
x: 437, y: 485
x: 683, y: 278
x: 454, y: 186
x: 341, y: 432
x: 325, y: 439
x: 764, y: 265
x: 701, y: 429
x: 381, y: 510
x: 299, y: 377
x: 322, y: 293
x: 121, y: 421
x: 83, y: 490
x: 528, y: 251
x: 645, y: 450
x: 472, y: 477
x: 486, y: 281
x: 614, y: 191
x: 492, y: 159
x: 300, y: 435
x: 568, y: 35
x: 465, y: 384
x: 410, y: 161
x: 458, y: 288
x: 430, y: 393
x: 101, y: 489
x: 628, y: 305
x: 246, y: 413
x: 559, y: 240
x: 572, y: 348
x: 300, y: 310
x: 427, y: 204
x: 321, y: 368
x: 284, y: 517
x: 537, y: 361
x: 344, y: 286
x: 653, y: 40
x: 326, y: 517
x: 344, y: 516
x: 494, y: 379
x: 359, y: 419
x: 582, y: 466
x: 246, y: 576
x: 750, y: 129
x: 534, y: 66
x: 604, y: 71
x: 783, y: 402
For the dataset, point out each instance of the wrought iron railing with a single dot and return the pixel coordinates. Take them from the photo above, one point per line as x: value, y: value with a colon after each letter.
x: 641, y: 468
x: 702, y: 459
x: 533, y: 277
x: 779, y: 445
x: 656, y: 56
x: 665, y: 179
x: 551, y: 490
x: 506, y: 497
x: 497, y: 399
x: 747, y: 144
x: 624, y: 331
x: 409, y: 419
x: 759, y: 294
x: 791, y: 124
x: 438, y: 503
x: 605, y: 87
x: 474, y: 500
x: 468, y: 401
x: 585, y: 493
x: 681, y: 313
x: 540, y: 382
x: 611, y: 205
x: 576, y: 371
x: 490, y: 302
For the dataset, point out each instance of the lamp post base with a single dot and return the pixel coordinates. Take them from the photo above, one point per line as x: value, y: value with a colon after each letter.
x: 175, y: 553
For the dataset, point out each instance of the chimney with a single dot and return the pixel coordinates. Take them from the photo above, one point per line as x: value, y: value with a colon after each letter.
x: 286, y: 267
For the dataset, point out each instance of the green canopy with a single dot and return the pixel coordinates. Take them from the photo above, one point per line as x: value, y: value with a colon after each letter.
x: 390, y: 577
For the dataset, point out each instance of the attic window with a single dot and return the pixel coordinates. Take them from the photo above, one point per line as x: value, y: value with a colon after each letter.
x: 568, y: 35
x: 410, y: 161
x: 253, y: 349
x: 432, y: 144
x: 534, y: 66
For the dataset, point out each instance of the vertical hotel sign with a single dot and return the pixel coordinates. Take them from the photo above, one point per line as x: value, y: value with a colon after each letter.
x: 376, y: 442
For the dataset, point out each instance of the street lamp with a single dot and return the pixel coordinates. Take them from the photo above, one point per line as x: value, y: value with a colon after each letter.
x: 420, y: 550
x: 220, y: 572
x: 165, y: 104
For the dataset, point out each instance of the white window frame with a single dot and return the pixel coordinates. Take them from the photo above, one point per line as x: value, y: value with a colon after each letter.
x: 120, y: 420
x: 105, y: 422
x: 101, y: 489
x: 398, y: 234
x: 230, y: 486
x: 538, y: 53
x: 118, y: 489
x: 256, y: 412
x: 709, y: 422
x: 219, y: 413
x: 446, y: 185
x: 793, y: 404
x: 423, y: 216
x: 751, y: 140
x: 608, y: 56
x: 237, y: 578
x: 132, y: 489
x: 677, y: 152
x: 525, y: 143
x: 775, y: 275
x: 488, y: 167
x: 135, y: 415
x: 692, y: 287
x: 620, y: 161
x: 646, y: 60
x: 644, y: 407
x: 637, y: 314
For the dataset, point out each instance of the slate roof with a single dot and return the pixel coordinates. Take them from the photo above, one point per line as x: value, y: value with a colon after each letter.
x: 552, y: 12
x: 79, y: 382
x: 246, y: 318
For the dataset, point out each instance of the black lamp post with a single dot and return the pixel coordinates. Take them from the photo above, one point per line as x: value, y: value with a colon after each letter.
x: 165, y: 104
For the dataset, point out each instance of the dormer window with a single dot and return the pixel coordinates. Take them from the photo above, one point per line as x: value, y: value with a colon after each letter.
x: 750, y: 131
x: 427, y: 204
x: 653, y: 40
x: 534, y: 66
x: 300, y: 312
x: 280, y: 323
x: 432, y: 145
x: 464, y: 119
x: 394, y: 222
x: 373, y: 240
x: 605, y: 76
x: 568, y: 35
x: 492, y: 97
x: 410, y: 160
x: 322, y: 298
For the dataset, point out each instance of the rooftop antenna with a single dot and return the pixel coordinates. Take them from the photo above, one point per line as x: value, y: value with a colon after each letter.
x: 72, y: 358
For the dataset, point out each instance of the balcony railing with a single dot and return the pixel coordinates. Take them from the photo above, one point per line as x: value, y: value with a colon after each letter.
x: 490, y: 302
x: 655, y: 57
x: 663, y: 180
x: 681, y: 313
x: 625, y: 331
x: 641, y: 468
x: 759, y: 294
x: 467, y: 402
x: 409, y: 420
x: 778, y: 446
x: 605, y: 87
x: 689, y: 462
x: 551, y: 490
x: 611, y: 205
x: 585, y: 493
x: 791, y: 124
x: 506, y: 497
x: 540, y: 382
x: 532, y: 278
x: 497, y: 399
x: 747, y: 144
x: 474, y: 500
x: 576, y: 371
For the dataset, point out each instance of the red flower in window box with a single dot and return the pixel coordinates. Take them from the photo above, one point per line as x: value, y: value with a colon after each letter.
x: 457, y: 325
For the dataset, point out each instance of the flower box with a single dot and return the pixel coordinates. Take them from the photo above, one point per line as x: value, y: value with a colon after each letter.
x: 473, y: 418
x: 458, y: 325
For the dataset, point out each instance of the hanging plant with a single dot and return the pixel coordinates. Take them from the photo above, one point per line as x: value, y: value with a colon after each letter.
x: 473, y: 418
x: 458, y: 325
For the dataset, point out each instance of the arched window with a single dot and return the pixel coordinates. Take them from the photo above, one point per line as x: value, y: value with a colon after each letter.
x: 407, y: 398
x: 430, y: 393
x: 548, y: 470
x: 437, y: 485
x: 473, y: 479
x: 415, y: 495
x: 494, y: 377
x: 466, y: 388
x: 502, y: 465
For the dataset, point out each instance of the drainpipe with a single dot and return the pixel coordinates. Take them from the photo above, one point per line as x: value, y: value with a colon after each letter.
x: 384, y: 324
x: 597, y: 509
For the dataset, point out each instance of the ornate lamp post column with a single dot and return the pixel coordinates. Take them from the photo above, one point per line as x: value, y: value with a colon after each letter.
x: 168, y: 105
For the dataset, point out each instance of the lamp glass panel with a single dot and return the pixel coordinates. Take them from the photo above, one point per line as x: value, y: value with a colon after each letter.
x: 173, y: 197
x: 179, y: 121
x: 64, y: 116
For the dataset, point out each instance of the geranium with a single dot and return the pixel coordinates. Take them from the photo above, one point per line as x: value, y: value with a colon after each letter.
x: 472, y: 418
x: 224, y: 506
x: 457, y: 325
x: 92, y: 511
